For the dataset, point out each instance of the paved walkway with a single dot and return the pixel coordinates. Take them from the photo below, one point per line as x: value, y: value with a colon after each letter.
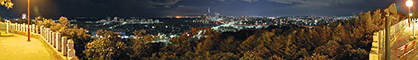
x: 401, y: 38
x: 414, y: 55
x: 18, y: 48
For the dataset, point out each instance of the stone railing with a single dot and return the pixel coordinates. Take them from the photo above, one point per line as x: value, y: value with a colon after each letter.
x: 379, y: 38
x: 61, y: 45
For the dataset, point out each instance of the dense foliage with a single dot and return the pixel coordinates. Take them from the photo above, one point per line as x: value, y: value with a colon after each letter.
x: 78, y: 35
x: 340, y: 40
x: 349, y: 39
x: 6, y: 3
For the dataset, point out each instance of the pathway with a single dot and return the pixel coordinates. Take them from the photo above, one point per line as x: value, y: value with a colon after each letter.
x: 18, y: 48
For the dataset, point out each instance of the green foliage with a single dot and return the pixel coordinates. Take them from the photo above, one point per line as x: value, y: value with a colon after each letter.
x: 78, y: 35
x: 340, y: 40
x: 141, y: 48
x: 250, y: 55
x: 59, y: 27
x: 108, y: 47
x: 64, y: 22
x: 21, y: 21
x: 100, y: 49
x: 80, y: 38
x: 7, y: 3
x: 48, y: 23
x: 12, y: 21
x: 316, y: 57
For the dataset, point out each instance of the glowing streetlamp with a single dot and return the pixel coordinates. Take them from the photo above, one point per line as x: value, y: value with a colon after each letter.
x: 409, y: 4
x: 413, y: 24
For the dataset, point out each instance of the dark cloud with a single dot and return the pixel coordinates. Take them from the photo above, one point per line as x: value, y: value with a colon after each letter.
x: 128, y: 8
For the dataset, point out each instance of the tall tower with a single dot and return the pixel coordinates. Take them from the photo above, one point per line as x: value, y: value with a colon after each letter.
x: 208, y: 16
x: 208, y: 10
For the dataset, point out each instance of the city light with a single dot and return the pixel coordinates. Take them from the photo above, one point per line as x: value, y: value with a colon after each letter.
x: 409, y: 3
x: 207, y: 29
x: 410, y: 14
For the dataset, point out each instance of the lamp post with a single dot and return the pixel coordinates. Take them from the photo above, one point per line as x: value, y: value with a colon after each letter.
x: 28, y: 20
x: 386, y: 42
x: 409, y: 4
x: 413, y: 25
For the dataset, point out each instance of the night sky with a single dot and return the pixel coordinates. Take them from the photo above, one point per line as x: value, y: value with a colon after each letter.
x: 152, y: 8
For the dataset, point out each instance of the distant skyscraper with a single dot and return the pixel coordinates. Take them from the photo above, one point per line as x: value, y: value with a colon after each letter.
x: 208, y: 10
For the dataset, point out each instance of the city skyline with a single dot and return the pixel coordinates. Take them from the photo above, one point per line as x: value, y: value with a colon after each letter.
x: 153, y: 8
x: 208, y: 29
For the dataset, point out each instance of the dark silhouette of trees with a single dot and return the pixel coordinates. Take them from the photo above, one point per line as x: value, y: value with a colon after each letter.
x: 106, y: 47
x: 339, y: 40
x: 2, y: 20
x: 6, y: 3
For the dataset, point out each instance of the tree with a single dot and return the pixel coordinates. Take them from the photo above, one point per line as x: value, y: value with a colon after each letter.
x: 339, y: 40
x: 80, y: 38
x: 47, y: 23
x: 140, y: 48
x: 64, y: 22
x: 140, y: 33
x: 12, y: 21
x: 100, y: 49
x: 109, y: 47
x: 229, y: 45
x: 21, y: 21
x: 250, y: 55
x: 7, y: 3
x: 316, y: 57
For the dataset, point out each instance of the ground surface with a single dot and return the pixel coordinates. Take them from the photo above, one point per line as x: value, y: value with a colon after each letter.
x: 18, y: 48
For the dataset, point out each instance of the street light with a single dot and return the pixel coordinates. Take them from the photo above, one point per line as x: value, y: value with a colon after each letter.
x: 28, y: 20
x: 409, y: 4
x: 413, y: 24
